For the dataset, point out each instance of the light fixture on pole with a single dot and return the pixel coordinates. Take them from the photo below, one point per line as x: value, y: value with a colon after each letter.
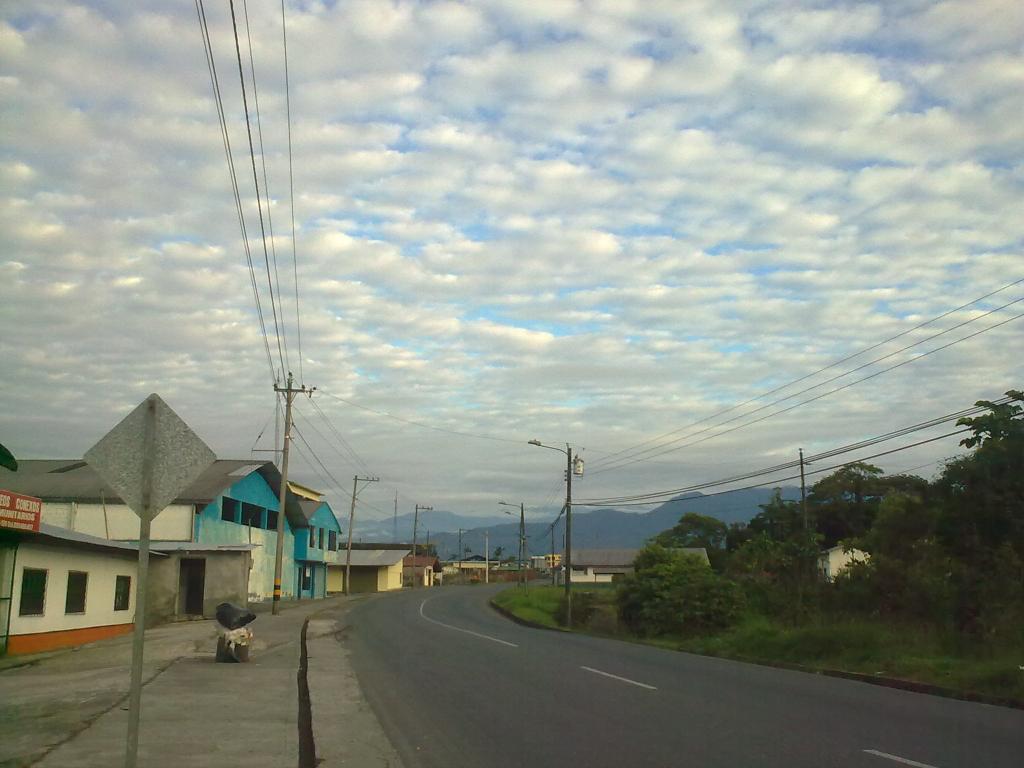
x: 573, y: 466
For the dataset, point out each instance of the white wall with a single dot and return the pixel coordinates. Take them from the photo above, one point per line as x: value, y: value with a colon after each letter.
x: 174, y: 523
x: 57, y: 560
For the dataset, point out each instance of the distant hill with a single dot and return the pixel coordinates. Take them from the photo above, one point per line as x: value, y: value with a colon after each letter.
x: 592, y: 528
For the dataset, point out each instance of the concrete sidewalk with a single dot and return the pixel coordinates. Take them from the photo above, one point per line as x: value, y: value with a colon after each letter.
x: 70, y: 709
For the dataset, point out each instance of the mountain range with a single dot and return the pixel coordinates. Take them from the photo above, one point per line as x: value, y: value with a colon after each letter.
x: 591, y: 527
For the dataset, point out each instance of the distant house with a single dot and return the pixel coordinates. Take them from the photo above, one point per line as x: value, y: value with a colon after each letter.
x: 425, y: 568
x: 316, y: 550
x: 373, y: 570
x: 601, y: 566
x: 835, y: 560
x: 60, y: 588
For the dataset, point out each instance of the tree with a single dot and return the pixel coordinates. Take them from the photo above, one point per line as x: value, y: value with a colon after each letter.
x: 844, y: 503
x: 497, y: 552
x: 673, y: 593
x: 695, y: 530
x: 777, y: 519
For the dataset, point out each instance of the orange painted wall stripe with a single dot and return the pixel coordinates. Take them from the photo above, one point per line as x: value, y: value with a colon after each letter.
x: 65, y: 638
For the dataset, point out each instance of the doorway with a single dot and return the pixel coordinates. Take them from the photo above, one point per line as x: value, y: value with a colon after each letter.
x: 191, y: 586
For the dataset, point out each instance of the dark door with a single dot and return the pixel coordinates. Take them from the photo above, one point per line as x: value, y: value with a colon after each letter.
x: 192, y: 585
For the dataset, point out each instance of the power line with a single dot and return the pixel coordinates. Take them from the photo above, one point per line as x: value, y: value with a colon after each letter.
x: 340, y: 454
x: 327, y: 472
x: 637, y: 458
x: 421, y: 424
x: 773, y: 481
x: 291, y: 184
x: 341, y: 438
x: 266, y: 184
x: 256, y: 183
x: 232, y: 174
x: 610, y: 457
x: 819, y: 456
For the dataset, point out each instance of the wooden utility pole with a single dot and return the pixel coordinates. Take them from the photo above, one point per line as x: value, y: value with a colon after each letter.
x: 487, y: 557
x: 415, y: 524
x: 351, y: 524
x: 803, y: 490
x: 289, y: 395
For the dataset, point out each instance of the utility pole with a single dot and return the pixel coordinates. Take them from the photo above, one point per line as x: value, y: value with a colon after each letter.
x: 394, y: 522
x: 289, y: 395
x: 415, y: 524
x: 568, y: 536
x: 803, y: 490
x: 460, y: 554
x: 522, y: 542
x: 487, y: 557
x: 351, y: 523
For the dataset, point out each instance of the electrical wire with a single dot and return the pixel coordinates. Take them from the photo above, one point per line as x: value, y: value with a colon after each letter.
x: 610, y: 457
x: 291, y: 187
x: 266, y: 183
x: 256, y: 183
x: 340, y: 454
x: 635, y: 459
x: 676, y: 492
x: 341, y: 438
x: 211, y: 65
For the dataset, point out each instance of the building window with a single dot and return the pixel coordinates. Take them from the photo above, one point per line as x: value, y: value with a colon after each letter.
x: 229, y: 510
x: 252, y: 515
x: 332, y: 541
x: 312, y: 537
x: 307, y: 578
x: 321, y: 538
x: 122, y: 593
x: 74, y: 602
x: 271, y: 520
x: 33, y: 592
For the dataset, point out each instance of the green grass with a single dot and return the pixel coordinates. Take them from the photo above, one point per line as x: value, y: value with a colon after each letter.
x: 865, y: 646
x: 538, y: 604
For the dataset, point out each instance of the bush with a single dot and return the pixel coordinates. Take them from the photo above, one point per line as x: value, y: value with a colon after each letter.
x: 583, y: 606
x: 675, y: 594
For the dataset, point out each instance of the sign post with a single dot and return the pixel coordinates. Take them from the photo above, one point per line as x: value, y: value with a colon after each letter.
x: 148, y: 459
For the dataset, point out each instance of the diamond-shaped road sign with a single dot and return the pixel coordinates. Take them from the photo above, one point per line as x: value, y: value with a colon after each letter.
x: 151, y: 447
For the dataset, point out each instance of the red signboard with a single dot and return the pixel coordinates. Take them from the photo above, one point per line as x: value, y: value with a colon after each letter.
x: 21, y: 513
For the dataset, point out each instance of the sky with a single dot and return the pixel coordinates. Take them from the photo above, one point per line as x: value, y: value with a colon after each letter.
x: 593, y: 223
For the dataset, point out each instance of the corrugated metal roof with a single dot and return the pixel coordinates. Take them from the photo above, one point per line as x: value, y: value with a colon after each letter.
x: 582, y: 558
x: 74, y: 480
x: 55, y: 534
x: 191, y: 546
x: 378, y: 557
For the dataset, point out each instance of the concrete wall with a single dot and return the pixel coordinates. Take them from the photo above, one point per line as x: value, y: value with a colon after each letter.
x: 57, y: 560
x: 117, y: 521
x: 226, y: 581
x: 366, y: 578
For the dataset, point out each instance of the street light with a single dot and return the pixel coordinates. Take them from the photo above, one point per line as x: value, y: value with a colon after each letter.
x: 522, y: 536
x: 573, y: 466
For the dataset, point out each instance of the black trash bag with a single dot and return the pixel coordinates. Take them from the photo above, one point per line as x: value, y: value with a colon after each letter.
x: 232, y: 617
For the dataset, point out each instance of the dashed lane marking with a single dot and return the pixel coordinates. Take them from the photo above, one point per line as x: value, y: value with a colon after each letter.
x: 620, y: 679
x: 898, y: 759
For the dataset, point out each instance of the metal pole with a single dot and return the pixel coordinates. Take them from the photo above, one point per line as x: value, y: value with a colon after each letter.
x: 139, y: 633
x: 522, y: 541
x: 487, y: 557
x: 551, y: 557
x: 568, y: 536
x: 460, y: 554
x: 348, y: 552
x: 415, y: 523
x: 803, y: 490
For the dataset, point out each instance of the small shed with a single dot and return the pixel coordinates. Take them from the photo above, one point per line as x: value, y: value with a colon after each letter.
x: 373, y: 570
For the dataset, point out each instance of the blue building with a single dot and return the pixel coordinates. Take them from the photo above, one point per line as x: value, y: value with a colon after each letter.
x: 317, y: 548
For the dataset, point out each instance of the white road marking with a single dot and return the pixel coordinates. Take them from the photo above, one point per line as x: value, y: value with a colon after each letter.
x: 467, y: 631
x: 898, y: 759
x: 620, y: 679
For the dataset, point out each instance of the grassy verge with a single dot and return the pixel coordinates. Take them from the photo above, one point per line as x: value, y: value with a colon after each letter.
x: 869, y: 647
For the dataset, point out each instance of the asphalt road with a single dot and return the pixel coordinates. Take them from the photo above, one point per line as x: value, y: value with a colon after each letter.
x: 454, y: 683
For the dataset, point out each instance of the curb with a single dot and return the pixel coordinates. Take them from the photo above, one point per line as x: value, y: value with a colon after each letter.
x: 887, y: 682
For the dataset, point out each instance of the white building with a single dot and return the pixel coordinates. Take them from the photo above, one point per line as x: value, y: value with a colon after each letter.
x: 833, y: 561
x: 60, y: 588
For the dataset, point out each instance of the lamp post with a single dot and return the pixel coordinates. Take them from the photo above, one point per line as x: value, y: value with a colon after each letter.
x: 522, y: 536
x: 573, y: 466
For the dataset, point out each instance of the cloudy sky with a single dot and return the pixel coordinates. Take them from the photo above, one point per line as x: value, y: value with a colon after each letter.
x: 594, y: 222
